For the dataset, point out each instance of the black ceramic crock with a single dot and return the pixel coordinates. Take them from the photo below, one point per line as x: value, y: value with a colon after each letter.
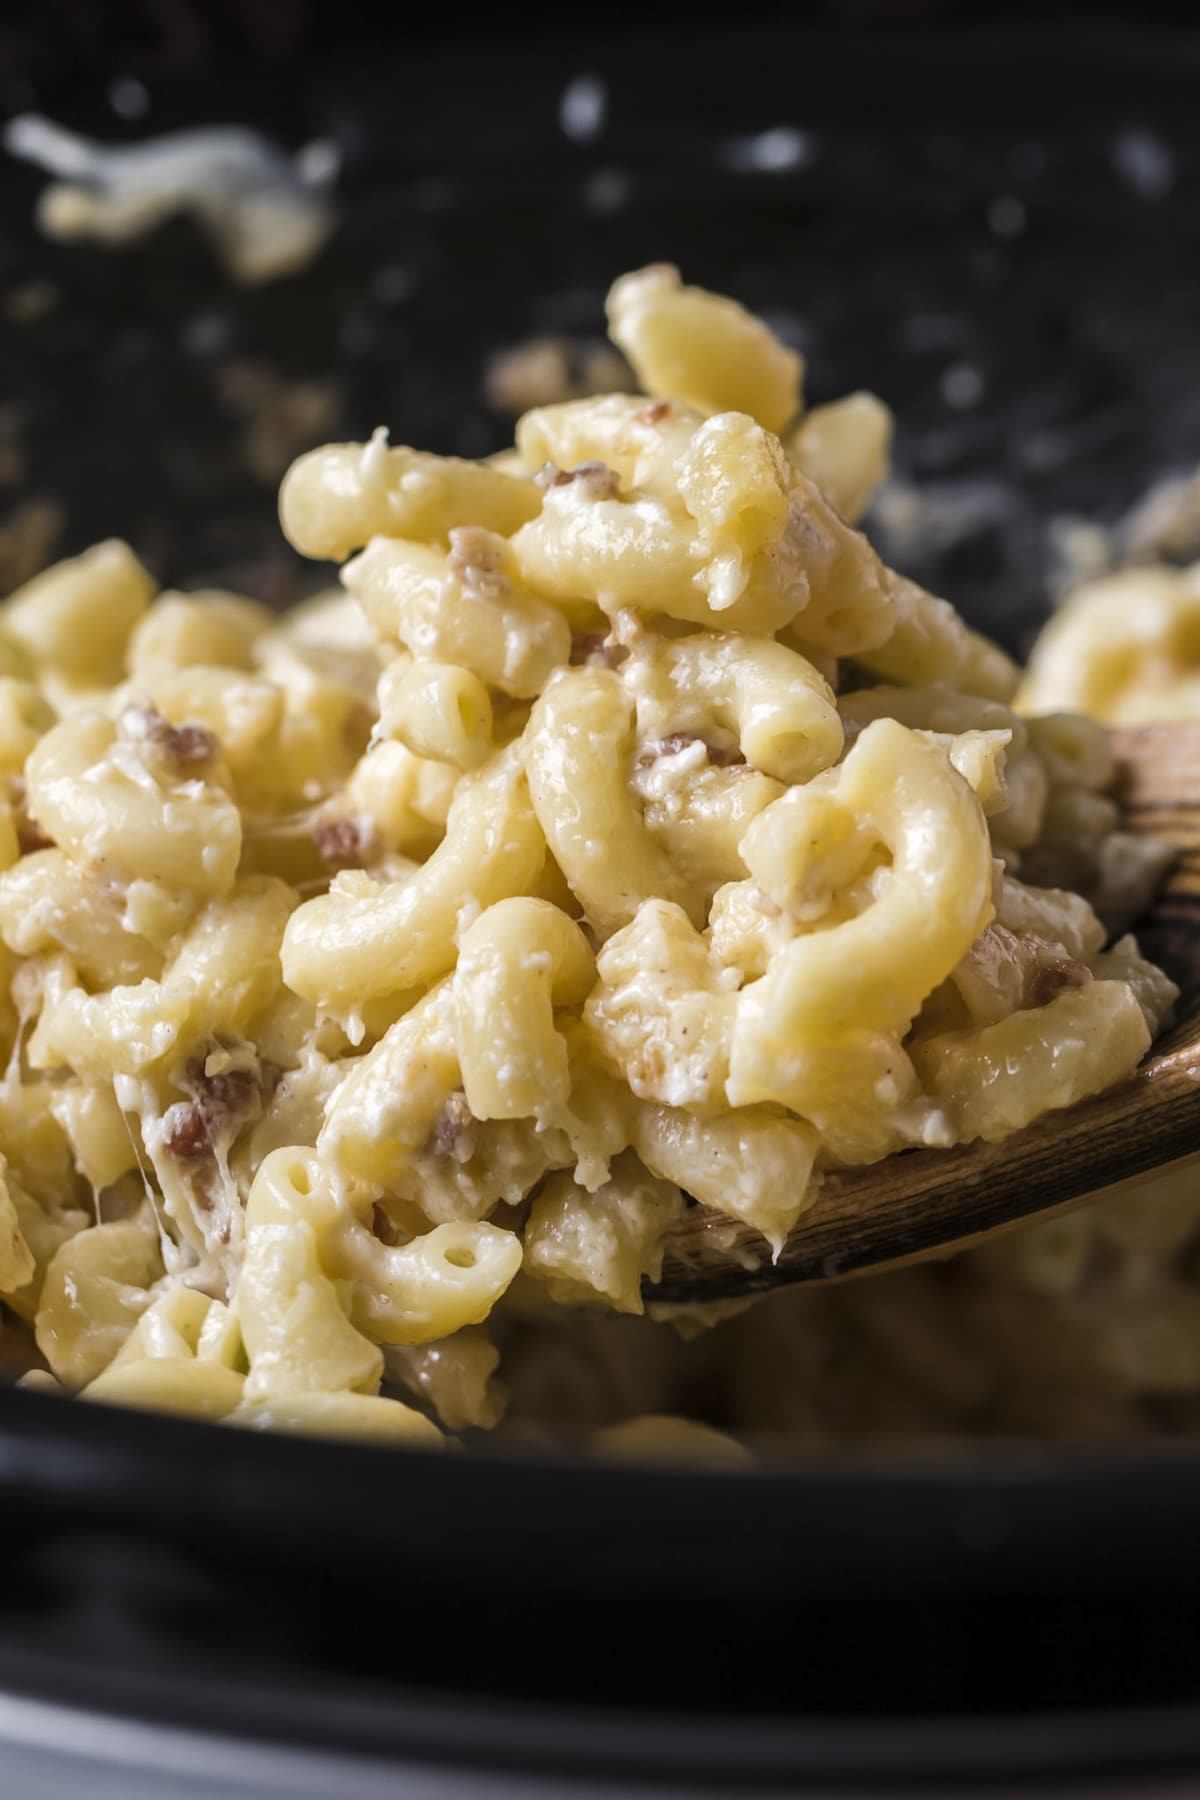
x: 998, y: 227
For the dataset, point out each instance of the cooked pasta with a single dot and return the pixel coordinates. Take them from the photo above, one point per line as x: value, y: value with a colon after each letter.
x: 392, y: 977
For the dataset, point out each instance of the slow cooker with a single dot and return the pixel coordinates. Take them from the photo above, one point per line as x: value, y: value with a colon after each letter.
x: 996, y: 224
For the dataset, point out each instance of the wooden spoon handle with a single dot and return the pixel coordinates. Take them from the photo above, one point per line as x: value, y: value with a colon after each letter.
x: 937, y: 1202
x: 1158, y: 780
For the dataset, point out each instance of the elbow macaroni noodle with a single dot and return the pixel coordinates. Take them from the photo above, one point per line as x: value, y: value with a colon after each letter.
x: 1125, y: 649
x: 626, y: 838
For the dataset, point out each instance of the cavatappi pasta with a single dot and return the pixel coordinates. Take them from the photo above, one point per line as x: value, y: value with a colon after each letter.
x: 382, y: 982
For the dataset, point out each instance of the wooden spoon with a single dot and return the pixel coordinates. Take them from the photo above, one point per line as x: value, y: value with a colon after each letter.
x: 927, y: 1203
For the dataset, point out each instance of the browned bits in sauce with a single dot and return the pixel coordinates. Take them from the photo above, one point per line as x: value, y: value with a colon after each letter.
x: 721, y: 756
x: 597, y: 648
x: 1053, y: 978
x: 226, y: 1096
x: 477, y: 557
x: 456, y: 1131
x: 599, y: 479
x: 655, y: 413
x: 187, y: 746
x: 185, y: 1131
x: 218, y: 1104
x: 343, y: 843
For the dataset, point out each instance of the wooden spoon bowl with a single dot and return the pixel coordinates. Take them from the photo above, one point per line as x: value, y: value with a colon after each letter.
x: 929, y: 1203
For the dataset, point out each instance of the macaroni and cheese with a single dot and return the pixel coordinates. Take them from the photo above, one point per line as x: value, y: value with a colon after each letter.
x: 622, y: 837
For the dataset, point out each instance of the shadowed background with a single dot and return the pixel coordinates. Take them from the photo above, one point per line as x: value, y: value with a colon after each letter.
x: 931, y: 208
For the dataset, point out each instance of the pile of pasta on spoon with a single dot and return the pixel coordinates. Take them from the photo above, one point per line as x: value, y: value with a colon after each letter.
x: 625, y: 837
